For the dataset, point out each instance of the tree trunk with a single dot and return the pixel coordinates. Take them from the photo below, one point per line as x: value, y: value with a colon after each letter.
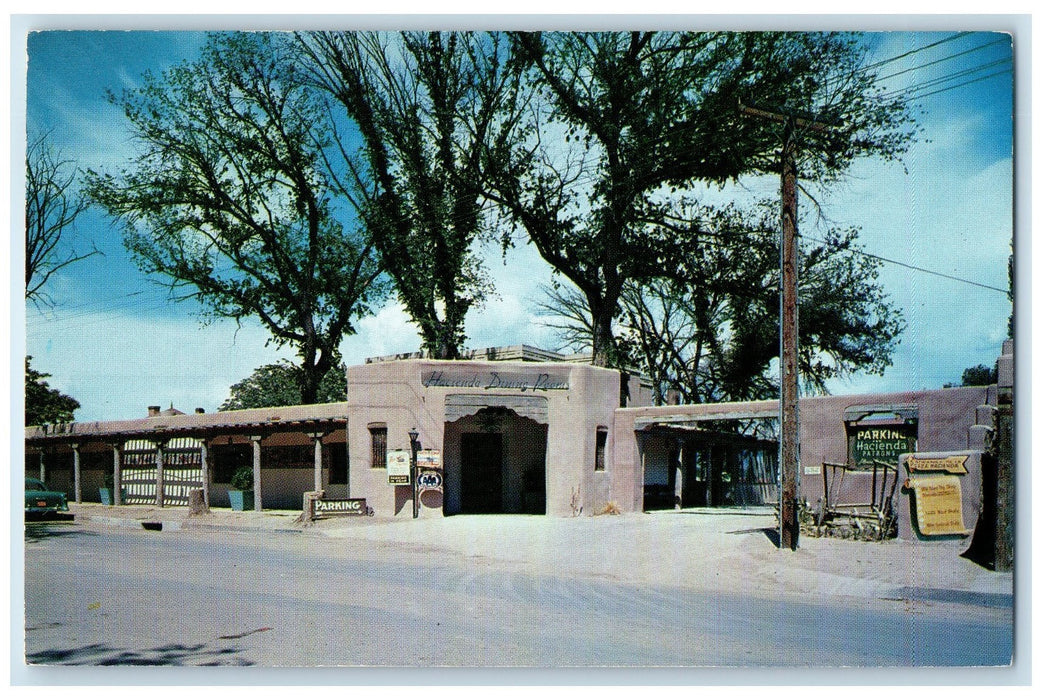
x: 603, y: 341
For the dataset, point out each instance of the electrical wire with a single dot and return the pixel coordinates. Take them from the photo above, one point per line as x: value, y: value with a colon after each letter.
x: 892, y: 59
x: 914, y: 267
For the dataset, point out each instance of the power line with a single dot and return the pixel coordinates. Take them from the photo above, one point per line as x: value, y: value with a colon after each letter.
x: 912, y: 52
x: 917, y: 87
x: 968, y: 82
x: 942, y: 60
x: 915, y: 267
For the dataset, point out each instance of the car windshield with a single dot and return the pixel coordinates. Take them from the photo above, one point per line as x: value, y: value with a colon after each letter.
x: 34, y: 485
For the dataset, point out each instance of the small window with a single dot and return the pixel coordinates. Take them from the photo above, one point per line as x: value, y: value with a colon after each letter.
x: 378, y: 452
x: 602, y: 442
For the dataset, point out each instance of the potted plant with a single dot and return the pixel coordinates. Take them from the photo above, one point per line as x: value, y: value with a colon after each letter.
x: 241, y: 492
x: 107, y: 491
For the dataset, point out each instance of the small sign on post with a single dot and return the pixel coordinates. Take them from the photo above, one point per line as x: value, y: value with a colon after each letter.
x: 428, y: 459
x: 428, y: 470
x: 398, y: 467
x: 429, y: 479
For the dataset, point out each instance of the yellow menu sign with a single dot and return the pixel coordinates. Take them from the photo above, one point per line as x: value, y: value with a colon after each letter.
x: 955, y: 464
x: 938, y: 505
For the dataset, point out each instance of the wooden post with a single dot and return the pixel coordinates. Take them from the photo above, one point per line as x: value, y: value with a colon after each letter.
x: 317, y: 438
x: 160, y: 486
x: 1003, y: 441
x: 678, y: 485
x: 789, y: 526
x: 77, y: 491
x: 117, y: 474
x: 204, y: 464
x: 790, y: 417
x: 256, y: 440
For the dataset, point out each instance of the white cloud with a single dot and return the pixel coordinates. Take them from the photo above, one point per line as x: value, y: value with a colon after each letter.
x: 389, y: 331
x: 116, y: 364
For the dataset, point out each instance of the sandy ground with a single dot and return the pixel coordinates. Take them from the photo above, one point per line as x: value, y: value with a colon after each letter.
x: 709, y: 550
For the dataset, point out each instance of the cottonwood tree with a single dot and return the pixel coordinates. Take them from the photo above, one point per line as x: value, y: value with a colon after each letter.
x: 432, y: 111
x: 627, y: 119
x: 52, y: 204
x: 232, y: 201
x: 280, y: 384
x: 707, y: 329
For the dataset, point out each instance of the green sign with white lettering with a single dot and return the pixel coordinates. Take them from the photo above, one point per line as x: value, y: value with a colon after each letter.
x: 883, y: 443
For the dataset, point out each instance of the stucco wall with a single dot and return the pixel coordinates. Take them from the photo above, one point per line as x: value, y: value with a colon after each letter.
x: 945, y: 417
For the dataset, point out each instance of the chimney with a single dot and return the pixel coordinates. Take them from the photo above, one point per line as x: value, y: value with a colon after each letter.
x: 153, y: 411
x: 200, y: 410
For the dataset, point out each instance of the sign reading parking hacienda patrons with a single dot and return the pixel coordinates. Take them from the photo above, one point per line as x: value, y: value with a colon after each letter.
x: 521, y: 381
x: 883, y: 443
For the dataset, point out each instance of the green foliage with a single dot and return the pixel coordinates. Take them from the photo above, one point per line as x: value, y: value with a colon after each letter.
x: 279, y: 384
x: 647, y: 115
x: 44, y: 405
x: 981, y: 375
x: 427, y: 106
x: 708, y: 328
x: 232, y: 198
x: 242, y: 479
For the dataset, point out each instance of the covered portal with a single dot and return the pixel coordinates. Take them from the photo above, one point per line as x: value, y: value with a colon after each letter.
x: 698, y: 466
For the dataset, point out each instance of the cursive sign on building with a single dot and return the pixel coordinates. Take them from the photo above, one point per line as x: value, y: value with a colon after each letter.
x: 487, y: 380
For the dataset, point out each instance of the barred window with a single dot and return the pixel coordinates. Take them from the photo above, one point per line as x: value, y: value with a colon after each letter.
x: 378, y: 452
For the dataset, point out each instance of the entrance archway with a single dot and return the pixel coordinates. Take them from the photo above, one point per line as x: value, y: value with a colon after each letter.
x: 495, y: 460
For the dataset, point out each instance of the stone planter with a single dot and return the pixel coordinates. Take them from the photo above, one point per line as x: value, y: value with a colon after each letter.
x: 241, y: 500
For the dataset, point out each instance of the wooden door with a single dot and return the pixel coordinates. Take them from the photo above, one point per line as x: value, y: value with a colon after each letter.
x: 481, y: 467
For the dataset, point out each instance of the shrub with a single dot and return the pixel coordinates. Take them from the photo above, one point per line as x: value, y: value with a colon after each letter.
x: 242, y: 479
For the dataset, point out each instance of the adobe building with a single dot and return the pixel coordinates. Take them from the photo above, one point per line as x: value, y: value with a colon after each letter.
x: 513, y: 436
x: 511, y: 430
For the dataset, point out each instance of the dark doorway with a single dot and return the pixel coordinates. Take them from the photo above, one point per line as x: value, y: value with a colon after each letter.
x: 481, y: 466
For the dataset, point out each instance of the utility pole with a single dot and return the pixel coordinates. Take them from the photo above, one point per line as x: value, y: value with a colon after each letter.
x: 790, y: 387
x: 789, y: 523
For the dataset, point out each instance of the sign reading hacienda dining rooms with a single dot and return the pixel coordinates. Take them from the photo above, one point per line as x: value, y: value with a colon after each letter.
x: 521, y: 381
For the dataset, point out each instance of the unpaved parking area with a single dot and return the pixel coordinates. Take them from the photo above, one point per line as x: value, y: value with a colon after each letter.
x: 716, y: 550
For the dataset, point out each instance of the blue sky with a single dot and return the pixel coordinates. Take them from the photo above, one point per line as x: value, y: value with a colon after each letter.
x: 116, y: 343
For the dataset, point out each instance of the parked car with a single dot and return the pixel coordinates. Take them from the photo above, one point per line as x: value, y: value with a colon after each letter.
x: 40, y: 499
